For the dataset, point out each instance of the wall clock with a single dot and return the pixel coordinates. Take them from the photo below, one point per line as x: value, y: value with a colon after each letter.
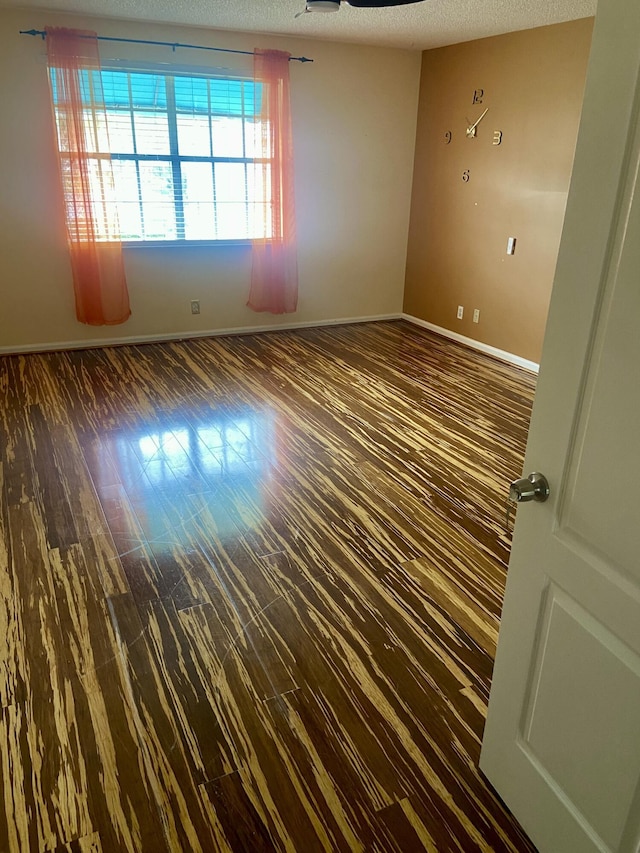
x: 471, y: 129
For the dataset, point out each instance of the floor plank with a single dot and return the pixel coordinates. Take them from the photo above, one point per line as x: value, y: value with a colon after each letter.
x: 250, y: 590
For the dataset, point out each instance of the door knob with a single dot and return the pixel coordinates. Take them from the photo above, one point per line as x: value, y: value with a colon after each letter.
x: 535, y: 487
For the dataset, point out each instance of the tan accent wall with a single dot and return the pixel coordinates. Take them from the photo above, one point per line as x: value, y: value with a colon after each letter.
x: 354, y: 114
x: 533, y: 84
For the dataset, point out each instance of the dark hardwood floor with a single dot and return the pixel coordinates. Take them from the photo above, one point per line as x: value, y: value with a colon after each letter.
x: 250, y: 590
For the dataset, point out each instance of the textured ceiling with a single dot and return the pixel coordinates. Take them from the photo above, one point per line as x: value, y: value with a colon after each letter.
x: 431, y: 23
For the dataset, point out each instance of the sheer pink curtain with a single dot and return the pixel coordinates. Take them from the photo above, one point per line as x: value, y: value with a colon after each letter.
x: 274, y: 275
x: 87, y: 178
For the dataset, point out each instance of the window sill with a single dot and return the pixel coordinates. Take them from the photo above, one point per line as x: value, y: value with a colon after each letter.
x: 184, y: 244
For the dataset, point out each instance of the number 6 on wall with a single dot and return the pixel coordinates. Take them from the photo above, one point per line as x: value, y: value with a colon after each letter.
x: 465, y: 175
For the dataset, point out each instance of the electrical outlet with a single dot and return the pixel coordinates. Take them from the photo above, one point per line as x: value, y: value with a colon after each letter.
x: 195, y: 306
x: 476, y: 315
x: 460, y: 312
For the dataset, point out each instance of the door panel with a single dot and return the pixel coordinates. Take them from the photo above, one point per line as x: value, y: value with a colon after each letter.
x: 581, y: 715
x: 606, y: 465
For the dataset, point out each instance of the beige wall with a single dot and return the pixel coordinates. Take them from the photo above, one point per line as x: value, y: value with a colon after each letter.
x: 354, y: 131
x: 533, y: 84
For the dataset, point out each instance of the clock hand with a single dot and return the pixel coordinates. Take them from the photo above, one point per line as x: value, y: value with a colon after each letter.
x: 471, y: 130
x: 480, y: 119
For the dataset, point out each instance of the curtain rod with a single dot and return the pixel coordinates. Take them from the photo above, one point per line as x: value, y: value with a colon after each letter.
x: 173, y: 45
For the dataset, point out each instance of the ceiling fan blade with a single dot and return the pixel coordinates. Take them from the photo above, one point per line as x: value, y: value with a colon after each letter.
x: 334, y: 5
x: 377, y: 4
x: 321, y: 6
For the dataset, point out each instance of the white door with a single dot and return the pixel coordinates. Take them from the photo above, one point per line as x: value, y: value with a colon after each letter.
x: 562, y: 740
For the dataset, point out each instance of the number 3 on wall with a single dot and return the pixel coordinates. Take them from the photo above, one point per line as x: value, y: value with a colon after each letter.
x: 497, y: 137
x: 465, y: 175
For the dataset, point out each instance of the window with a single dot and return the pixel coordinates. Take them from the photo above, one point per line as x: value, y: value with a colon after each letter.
x: 182, y: 152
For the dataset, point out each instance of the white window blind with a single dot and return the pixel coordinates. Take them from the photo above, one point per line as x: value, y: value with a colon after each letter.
x: 183, y: 151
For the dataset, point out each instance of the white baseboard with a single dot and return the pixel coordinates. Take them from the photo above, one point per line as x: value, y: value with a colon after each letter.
x: 478, y: 345
x: 248, y: 330
x: 181, y: 336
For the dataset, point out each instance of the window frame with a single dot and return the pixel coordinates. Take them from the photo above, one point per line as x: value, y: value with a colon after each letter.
x: 169, y: 72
